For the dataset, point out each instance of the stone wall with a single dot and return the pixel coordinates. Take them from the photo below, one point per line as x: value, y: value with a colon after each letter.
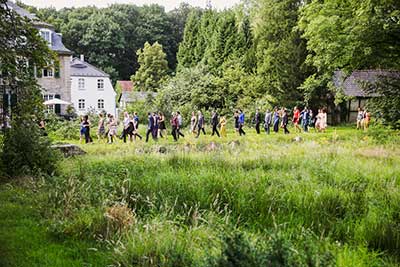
x: 59, y: 86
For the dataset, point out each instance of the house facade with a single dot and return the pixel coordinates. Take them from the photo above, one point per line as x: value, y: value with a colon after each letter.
x: 55, y: 80
x: 91, y: 89
x: 64, y: 79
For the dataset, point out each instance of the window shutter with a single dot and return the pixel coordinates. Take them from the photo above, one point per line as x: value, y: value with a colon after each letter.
x: 39, y: 73
x: 13, y: 101
x: 57, y: 70
x: 5, y: 101
x: 57, y: 108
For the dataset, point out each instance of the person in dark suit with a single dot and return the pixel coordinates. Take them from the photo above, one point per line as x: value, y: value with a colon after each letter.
x: 150, y: 126
x: 174, y: 126
x: 285, y: 121
x: 257, y: 120
x: 214, y: 123
x: 241, y: 123
x: 155, y: 126
x: 200, y: 124
x: 305, y: 118
x: 276, y: 120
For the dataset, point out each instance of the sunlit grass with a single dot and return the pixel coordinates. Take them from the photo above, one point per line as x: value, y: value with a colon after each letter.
x: 325, y: 199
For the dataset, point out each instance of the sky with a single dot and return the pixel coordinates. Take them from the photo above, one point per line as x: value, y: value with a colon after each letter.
x: 168, y: 4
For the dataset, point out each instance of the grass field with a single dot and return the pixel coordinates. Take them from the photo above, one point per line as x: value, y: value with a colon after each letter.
x: 329, y: 199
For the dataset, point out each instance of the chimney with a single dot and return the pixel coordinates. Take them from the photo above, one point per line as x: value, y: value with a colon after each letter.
x: 82, y: 58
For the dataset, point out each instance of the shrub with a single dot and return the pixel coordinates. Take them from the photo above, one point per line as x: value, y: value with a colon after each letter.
x: 26, y: 152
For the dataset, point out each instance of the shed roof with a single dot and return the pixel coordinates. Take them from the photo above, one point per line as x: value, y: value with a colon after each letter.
x: 353, y: 84
x: 126, y: 86
x: 84, y: 69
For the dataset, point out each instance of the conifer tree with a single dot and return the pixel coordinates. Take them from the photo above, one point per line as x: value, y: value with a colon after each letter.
x: 186, y: 53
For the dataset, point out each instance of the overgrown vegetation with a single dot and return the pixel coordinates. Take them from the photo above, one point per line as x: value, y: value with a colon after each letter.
x: 23, y: 149
x: 329, y: 200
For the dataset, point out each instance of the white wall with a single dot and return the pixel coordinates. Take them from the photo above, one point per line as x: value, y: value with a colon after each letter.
x: 91, y: 94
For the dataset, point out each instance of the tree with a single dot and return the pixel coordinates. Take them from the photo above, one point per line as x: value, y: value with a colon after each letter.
x: 387, y: 103
x: 87, y: 31
x: 178, y: 18
x: 103, y: 41
x: 153, y: 68
x: 24, y: 150
x: 155, y: 26
x: 280, y: 50
x: 349, y: 35
x: 186, y: 54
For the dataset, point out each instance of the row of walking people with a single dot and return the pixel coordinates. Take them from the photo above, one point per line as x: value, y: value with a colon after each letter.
x: 303, y: 120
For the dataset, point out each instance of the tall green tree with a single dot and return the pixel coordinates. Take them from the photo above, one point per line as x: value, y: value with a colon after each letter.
x: 280, y: 50
x: 24, y: 150
x: 103, y: 40
x: 224, y: 43
x: 186, y: 55
x: 152, y: 72
x: 349, y: 35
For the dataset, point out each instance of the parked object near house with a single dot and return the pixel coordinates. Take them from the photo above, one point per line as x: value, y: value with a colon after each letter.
x: 91, y: 88
x: 353, y: 87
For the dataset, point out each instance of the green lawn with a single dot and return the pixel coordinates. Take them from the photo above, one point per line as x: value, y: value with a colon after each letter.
x: 331, y: 199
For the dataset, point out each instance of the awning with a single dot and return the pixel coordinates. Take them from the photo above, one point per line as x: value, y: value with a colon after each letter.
x: 56, y: 101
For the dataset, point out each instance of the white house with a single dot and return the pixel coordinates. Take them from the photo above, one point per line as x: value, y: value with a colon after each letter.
x: 91, y: 89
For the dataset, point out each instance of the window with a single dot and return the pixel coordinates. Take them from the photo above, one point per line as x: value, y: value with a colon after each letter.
x: 50, y: 108
x: 48, y: 72
x: 46, y: 34
x: 48, y: 97
x: 81, y: 84
x: 81, y: 103
x: 100, y: 104
x: 100, y: 84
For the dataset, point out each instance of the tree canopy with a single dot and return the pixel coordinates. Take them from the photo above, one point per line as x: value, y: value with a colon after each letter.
x: 153, y: 68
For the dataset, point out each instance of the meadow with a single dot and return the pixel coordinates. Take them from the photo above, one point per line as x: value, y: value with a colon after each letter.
x: 326, y: 199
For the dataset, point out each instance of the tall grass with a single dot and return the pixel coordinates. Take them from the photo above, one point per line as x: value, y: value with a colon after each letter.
x: 332, y: 199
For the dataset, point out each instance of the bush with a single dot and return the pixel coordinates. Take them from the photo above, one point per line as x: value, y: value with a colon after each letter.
x: 26, y: 151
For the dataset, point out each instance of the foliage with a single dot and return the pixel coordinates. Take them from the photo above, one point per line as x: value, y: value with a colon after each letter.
x: 349, y: 35
x: 387, y: 104
x: 109, y: 37
x: 153, y: 68
x: 280, y: 50
x: 24, y: 149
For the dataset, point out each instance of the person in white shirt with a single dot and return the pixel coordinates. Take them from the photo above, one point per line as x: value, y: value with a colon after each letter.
x: 126, y: 122
x: 178, y: 131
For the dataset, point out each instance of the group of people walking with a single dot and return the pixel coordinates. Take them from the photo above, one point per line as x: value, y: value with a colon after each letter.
x: 303, y: 120
x: 363, y: 119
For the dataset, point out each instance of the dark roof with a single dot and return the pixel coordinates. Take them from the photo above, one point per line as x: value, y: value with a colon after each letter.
x: 20, y: 11
x: 126, y: 86
x: 56, y: 39
x: 82, y: 68
x: 57, y: 44
x: 353, y: 84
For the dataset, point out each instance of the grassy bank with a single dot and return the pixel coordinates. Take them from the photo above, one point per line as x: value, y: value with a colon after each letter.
x: 328, y: 199
x: 24, y: 239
